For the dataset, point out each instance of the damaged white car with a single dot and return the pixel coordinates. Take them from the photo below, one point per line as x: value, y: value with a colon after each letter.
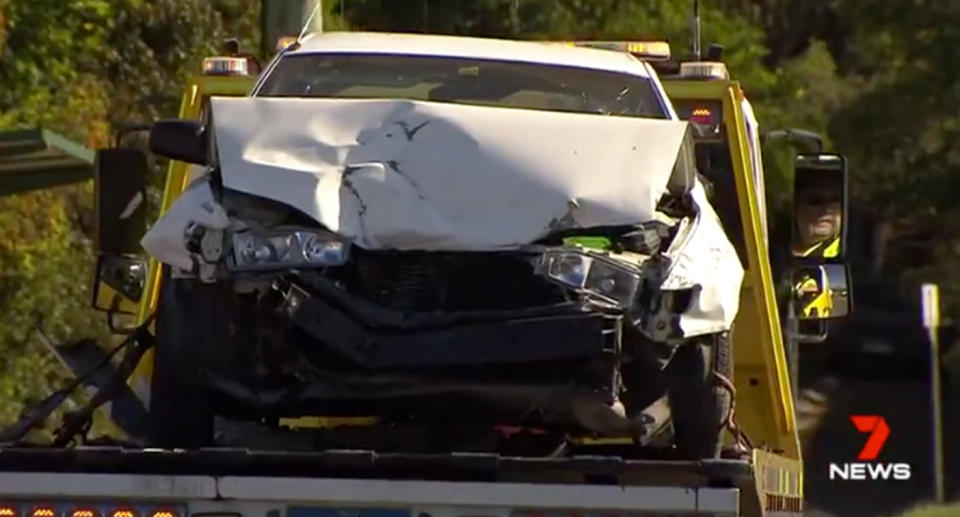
x: 449, y: 235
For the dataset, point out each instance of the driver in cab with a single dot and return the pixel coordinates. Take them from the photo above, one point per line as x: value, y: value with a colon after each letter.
x: 818, y: 217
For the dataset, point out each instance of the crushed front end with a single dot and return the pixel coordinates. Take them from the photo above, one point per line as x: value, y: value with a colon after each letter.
x: 316, y: 283
x: 538, y: 336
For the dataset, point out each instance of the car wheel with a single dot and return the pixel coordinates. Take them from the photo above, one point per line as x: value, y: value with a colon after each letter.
x: 698, y: 403
x: 181, y: 412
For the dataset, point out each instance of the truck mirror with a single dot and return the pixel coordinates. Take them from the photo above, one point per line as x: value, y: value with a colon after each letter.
x: 183, y: 140
x: 119, y: 283
x: 120, y: 184
x: 821, y: 291
x: 820, y: 207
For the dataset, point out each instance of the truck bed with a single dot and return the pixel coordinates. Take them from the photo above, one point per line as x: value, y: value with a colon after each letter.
x: 498, y: 486
x: 369, y: 465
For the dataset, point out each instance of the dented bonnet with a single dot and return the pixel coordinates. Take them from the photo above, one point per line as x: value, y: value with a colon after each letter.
x: 410, y: 175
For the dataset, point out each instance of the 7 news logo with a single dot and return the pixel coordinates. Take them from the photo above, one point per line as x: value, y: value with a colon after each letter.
x: 867, y: 468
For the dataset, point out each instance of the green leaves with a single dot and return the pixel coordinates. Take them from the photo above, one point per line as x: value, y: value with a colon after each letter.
x: 99, y: 64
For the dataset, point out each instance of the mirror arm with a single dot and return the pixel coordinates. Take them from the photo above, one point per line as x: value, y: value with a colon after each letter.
x: 126, y: 129
x: 793, y: 136
x: 111, y: 315
x: 809, y: 338
x: 793, y: 328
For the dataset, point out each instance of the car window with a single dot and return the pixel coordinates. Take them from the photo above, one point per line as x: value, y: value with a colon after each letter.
x: 464, y: 81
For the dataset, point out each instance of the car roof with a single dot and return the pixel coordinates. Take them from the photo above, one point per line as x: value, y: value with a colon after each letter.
x: 471, y: 47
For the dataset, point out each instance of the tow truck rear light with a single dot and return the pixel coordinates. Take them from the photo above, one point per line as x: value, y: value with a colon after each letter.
x: 705, y: 118
x: 225, y: 66
x: 43, y: 511
x: 34, y: 508
x: 701, y: 116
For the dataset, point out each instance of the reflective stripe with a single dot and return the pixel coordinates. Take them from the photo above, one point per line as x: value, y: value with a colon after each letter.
x: 803, y: 283
x: 831, y: 250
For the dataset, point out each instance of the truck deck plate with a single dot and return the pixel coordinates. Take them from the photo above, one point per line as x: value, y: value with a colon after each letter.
x: 369, y: 465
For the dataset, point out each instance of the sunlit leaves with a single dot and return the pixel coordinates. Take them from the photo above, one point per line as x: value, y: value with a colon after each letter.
x: 80, y: 67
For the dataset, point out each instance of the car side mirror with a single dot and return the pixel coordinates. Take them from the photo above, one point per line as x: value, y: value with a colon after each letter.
x: 821, y: 291
x: 820, y: 207
x: 182, y: 140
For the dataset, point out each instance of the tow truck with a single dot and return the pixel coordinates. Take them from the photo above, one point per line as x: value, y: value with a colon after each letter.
x: 758, y: 473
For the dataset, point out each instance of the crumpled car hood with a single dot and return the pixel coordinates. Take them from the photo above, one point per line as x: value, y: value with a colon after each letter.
x: 433, y: 176
x: 414, y: 175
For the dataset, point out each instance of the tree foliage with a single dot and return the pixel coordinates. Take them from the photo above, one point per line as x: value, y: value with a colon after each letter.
x: 100, y: 64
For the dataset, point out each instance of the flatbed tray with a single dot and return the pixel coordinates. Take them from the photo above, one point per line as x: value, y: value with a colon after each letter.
x: 370, y: 465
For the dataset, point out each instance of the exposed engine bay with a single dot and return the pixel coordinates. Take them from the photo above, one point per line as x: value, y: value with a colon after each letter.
x: 312, y: 305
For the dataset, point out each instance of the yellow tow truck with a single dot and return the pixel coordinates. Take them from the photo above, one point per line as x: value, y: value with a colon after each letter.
x: 761, y: 471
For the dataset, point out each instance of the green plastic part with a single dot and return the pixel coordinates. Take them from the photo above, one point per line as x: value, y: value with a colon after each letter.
x: 588, y: 241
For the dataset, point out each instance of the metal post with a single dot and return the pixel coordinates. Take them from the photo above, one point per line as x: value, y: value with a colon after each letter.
x: 425, y: 15
x: 318, y: 27
x: 696, y: 30
x: 515, y: 18
x: 931, y: 320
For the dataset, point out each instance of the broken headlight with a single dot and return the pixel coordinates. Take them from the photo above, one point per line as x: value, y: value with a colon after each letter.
x: 594, y: 275
x: 287, y: 249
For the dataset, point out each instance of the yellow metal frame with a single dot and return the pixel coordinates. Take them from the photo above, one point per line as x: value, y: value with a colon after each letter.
x: 764, y: 400
x: 191, y: 104
x: 823, y: 301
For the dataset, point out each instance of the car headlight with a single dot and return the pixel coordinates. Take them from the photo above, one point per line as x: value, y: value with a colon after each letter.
x: 284, y: 249
x: 594, y: 275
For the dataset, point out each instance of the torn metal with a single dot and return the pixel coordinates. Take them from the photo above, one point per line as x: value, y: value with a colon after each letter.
x: 412, y: 175
x: 420, y: 177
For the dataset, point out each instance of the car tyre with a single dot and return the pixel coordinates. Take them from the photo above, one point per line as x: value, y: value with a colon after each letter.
x: 699, y: 403
x: 181, y: 411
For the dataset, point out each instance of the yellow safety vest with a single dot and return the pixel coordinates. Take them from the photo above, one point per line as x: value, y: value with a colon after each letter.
x: 831, y: 250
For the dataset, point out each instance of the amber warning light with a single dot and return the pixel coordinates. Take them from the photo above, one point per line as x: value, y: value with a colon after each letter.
x: 8, y: 511
x: 701, y: 116
x: 43, y: 511
x: 226, y: 66
x: 83, y: 512
x: 124, y: 513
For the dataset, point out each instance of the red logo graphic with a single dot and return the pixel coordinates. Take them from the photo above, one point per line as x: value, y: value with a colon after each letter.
x: 879, y: 432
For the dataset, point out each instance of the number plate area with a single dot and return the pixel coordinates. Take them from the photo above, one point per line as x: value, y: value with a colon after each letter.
x: 323, y: 511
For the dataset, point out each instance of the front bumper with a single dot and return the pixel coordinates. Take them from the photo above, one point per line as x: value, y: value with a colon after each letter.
x: 352, y: 357
x: 553, y: 333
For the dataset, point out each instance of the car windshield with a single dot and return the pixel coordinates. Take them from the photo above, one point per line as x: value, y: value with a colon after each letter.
x: 508, y: 84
